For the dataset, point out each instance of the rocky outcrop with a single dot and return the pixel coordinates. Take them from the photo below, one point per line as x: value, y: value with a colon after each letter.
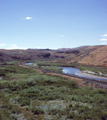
x: 72, y: 52
x: 69, y: 52
x: 56, y: 56
x: 30, y: 54
x: 45, y: 55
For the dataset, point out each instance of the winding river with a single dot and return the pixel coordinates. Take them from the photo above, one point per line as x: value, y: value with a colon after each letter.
x: 76, y: 71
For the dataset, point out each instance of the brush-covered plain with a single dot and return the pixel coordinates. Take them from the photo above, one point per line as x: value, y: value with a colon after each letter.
x: 27, y: 95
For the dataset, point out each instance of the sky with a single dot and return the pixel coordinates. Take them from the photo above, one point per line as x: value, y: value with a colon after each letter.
x: 52, y: 24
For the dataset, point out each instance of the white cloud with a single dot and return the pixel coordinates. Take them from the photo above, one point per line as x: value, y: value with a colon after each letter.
x: 105, y: 35
x: 103, y: 39
x: 1, y: 45
x: 28, y: 18
x: 61, y: 35
x: 15, y: 47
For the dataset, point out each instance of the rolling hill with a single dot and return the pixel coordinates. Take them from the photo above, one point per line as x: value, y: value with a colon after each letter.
x: 87, y: 55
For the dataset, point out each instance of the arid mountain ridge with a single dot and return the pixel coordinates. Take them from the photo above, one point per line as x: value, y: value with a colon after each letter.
x: 87, y: 55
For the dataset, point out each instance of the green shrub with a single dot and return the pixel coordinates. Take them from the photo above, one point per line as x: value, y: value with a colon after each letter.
x: 5, y: 105
x: 25, y: 102
x: 14, y: 110
x: 37, y: 111
x: 4, y: 115
x: 71, y: 116
x: 81, y: 109
x: 53, y: 112
x: 70, y: 105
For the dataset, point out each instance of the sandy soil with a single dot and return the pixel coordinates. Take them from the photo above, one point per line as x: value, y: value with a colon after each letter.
x: 90, y: 75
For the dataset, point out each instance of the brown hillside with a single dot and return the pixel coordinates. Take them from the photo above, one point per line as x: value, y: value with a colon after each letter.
x: 94, y: 55
x: 77, y: 55
x: 30, y: 54
x: 97, y: 57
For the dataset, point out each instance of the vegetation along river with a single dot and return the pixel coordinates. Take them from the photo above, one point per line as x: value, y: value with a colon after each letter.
x: 76, y: 71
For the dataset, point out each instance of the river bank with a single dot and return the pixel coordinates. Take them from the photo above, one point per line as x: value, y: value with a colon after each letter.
x: 82, y: 74
x: 78, y: 72
x: 80, y: 80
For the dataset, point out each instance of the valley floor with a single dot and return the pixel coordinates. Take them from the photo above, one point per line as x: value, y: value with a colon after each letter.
x: 28, y: 95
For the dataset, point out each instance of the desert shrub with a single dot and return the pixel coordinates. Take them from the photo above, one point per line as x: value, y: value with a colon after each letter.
x: 43, y: 89
x: 81, y: 109
x: 62, y: 112
x: 103, y: 116
x: 4, y: 84
x: 71, y: 115
x: 4, y: 115
x: 31, y: 82
x: 9, y: 106
x: 19, y: 111
x: 37, y: 111
x: 27, y: 108
x: 77, y: 105
x: 51, y: 68
x: 5, y: 105
x: 25, y: 102
x: 14, y: 111
x: 52, y: 97
x: 2, y: 72
x: 70, y: 105
x: 53, y: 112
x: 73, y: 108
x: 31, y: 95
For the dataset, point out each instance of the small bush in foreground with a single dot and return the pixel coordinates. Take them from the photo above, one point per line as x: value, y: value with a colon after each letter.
x: 37, y: 111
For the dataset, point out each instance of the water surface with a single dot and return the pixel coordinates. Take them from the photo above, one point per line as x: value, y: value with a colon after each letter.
x: 76, y: 71
x: 28, y: 63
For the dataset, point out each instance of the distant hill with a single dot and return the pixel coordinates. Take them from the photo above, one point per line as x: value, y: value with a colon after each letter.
x: 97, y: 57
x: 87, y: 55
x: 29, y: 54
x: 93, y: 55
x: 76, y: 48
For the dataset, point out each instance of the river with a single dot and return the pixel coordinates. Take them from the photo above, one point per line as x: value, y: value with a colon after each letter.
x: 76, y: 71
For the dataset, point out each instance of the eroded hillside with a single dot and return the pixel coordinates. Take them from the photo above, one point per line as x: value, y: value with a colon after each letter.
x: 93, y: 55
x: 97, y: 57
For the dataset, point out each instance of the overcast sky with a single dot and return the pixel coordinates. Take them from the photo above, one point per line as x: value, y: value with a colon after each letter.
x: 52, y: 23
